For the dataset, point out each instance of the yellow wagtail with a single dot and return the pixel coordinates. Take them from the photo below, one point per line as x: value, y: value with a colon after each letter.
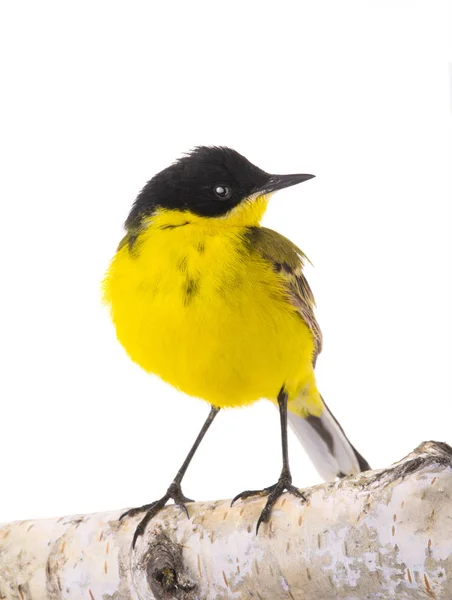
x: 216, y: 305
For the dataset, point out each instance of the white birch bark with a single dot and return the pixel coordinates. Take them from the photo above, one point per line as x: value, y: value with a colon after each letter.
x: 383, y: 534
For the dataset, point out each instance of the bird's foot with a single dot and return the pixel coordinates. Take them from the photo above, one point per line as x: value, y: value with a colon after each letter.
x: 174, y: 492
x: 273, y: 492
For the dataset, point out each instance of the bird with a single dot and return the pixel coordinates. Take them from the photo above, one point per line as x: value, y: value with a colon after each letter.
x: 217, y: 305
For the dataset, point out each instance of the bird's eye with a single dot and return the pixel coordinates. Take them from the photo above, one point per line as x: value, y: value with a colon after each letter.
x: 222, y: 191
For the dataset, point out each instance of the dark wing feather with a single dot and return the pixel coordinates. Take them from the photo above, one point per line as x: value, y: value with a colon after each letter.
x: 287, y: 259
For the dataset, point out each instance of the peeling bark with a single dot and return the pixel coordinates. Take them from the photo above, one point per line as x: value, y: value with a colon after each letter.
x: 383, y: 534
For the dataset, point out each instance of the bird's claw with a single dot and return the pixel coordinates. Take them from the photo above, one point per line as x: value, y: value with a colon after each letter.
x: 248, y: 493
x: 273, y: 492
x: 174, y: 493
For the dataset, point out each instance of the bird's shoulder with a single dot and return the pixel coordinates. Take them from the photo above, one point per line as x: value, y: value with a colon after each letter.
x: 288, y: 260
x: 276, y: 248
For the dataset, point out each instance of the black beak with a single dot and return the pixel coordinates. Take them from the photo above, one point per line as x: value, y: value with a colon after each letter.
x: 278, y: 182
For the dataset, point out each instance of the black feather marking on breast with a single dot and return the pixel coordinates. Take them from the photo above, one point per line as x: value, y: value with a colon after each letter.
x: 174, y: 226
x: 130, y: 239
x: 182, y: 265
x: 190, y: 289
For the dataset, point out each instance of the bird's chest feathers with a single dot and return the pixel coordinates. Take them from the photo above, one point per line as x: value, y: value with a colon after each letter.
x: 192, y: 268
x: 199, y: 307
x: 182, y: 281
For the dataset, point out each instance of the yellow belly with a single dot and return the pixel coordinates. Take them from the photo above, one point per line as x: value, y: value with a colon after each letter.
x: 195, y: 307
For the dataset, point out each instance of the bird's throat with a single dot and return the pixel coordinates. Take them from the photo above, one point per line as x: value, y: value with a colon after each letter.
x: 248, y: 213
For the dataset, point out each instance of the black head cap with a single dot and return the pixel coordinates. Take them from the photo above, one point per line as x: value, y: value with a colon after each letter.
x: 209, y: 181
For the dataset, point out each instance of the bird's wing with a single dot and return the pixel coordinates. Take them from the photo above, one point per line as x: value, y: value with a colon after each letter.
x: 288, y: 260
x: 321, y: 435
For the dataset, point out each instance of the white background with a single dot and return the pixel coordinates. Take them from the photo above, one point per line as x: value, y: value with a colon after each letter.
x: 97, y: 97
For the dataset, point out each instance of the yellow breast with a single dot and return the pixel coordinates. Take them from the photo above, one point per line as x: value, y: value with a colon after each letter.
x: 196, y: 306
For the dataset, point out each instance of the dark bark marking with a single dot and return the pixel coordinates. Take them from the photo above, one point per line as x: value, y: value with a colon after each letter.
x: 165, y: 569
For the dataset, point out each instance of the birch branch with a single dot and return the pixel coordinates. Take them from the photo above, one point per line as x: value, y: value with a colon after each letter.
x: 382, y: 534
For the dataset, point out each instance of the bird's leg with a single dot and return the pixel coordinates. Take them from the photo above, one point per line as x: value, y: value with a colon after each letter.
x: 285, y: 479
x: 174, y: 492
